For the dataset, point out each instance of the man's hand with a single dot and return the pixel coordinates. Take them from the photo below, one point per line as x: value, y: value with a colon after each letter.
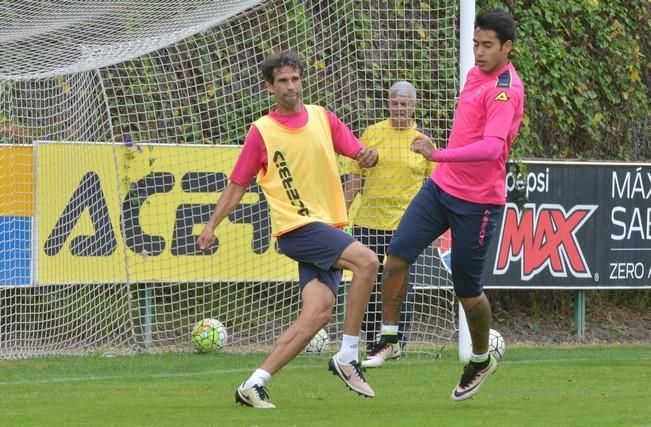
x: 206, y: 238
x: 423, y: 145
x: 367, y: 157
x: 229, y: 199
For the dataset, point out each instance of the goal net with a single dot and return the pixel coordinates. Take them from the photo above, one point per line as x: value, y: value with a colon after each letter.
x: 119, y: 125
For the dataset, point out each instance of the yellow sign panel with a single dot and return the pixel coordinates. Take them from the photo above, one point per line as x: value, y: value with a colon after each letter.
x: 111, y: 213
x: 16, y: 180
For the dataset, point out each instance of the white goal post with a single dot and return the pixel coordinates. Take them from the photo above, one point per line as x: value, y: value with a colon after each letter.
x: 119, y: 125
x: 466, y: 62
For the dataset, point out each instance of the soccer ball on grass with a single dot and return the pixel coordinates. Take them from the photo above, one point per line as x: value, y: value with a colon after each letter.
x: 319, y: 343
x: 209, y: 335
x: 496, y: 344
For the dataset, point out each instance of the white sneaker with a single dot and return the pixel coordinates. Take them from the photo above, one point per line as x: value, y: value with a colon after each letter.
x: 351, y: 374
x: 380, y: 353
x: 472, y: 378
x: 255, y: 396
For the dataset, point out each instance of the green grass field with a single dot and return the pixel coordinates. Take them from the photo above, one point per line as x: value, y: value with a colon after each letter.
x: 542, y: 386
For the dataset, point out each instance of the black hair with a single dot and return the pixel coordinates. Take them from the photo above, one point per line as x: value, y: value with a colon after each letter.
x: 278, y: 61
x: 499, y: 21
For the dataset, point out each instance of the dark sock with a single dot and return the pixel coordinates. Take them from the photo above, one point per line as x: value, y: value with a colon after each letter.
x: 481, y: 365
x: 388, y: 339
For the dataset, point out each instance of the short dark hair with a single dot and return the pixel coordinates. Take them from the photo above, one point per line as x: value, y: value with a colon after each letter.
x: 499, y: 21
x: 278, y: 61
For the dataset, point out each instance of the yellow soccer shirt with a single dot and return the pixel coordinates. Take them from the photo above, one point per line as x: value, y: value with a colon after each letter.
x: 394, y: 181
x: 302, y: 182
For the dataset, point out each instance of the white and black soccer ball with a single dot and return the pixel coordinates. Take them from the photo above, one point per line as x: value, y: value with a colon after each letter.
x: 319, y: 343
x: 496, y: 344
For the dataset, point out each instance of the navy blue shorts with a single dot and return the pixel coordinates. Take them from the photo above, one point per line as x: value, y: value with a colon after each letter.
x: 473, y: 225
x: 316, y: 247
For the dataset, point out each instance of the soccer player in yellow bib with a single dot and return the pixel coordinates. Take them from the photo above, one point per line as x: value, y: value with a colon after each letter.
x: 292, y: 150
x: 384, y: 192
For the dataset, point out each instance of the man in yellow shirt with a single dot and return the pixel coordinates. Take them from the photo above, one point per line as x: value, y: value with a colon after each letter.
x: 385, y: 191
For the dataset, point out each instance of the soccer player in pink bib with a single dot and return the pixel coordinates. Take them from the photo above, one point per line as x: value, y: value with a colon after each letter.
x: 466, y: 193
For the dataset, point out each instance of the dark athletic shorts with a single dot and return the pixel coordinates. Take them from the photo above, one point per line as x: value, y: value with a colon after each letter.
x: 473, y: 225
x: 316, y: 247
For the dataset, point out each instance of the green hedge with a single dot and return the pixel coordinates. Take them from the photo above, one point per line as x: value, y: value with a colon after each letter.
x: 586, y: 67
x: 207, y: 88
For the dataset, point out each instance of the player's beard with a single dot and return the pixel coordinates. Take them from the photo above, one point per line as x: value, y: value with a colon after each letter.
x: 291, y: 102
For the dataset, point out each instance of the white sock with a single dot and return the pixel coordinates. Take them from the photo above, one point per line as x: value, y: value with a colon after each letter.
x: 478, y: 358
x: 259, y: 377
x: 349, y: 349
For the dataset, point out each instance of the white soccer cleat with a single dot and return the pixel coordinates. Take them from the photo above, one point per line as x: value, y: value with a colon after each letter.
x: 380, y: 353
x: 255, y: 397
x: 351, y: 374
x: 472, y: 378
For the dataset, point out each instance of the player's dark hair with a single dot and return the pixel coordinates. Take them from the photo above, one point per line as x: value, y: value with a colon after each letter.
x: 499, y: 21
x: 278, y: 61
